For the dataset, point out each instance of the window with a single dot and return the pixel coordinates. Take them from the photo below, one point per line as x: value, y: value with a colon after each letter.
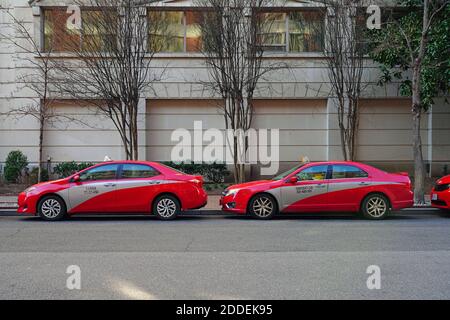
x: 313, y: 173
x: 295, y: 31
x: 174, y: 31
x: 97, y: 31
x: 273, y: 35
x: 138, y: 171
x: 306, y: 31
x: 106, y: 172
x: 57, y: 37
x: 348, y: 172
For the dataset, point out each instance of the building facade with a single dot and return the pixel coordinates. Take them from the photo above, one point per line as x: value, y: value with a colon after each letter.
x: 296, y: 100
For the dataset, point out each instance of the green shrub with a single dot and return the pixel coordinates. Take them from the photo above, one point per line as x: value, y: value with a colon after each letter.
x: 34, y: 175
x: 15, y: 163
x: 65, y: 169
x: 216, y: 173
x: 212, y: 172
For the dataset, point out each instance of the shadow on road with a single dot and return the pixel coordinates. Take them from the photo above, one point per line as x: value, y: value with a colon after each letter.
x: 112, y: 218
x: 397, y: 216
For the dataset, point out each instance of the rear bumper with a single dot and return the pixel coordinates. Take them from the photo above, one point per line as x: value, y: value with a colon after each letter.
x: 398, y: 205
x: 201, y: 206
x: 201, y: 199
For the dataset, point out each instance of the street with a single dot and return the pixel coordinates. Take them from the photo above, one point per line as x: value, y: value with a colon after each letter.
x: 227, y: 257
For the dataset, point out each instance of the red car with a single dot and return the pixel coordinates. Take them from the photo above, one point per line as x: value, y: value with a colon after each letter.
x: 322, y: 186
x: 116, y: 187
x: 440, y: 195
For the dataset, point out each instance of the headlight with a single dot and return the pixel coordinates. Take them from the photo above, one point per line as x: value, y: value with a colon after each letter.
x: 229, y: 192
x: 30, y: 189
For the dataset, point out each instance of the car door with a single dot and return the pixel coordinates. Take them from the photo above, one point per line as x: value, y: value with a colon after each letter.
x: 347, y: 187
x: 94, y: 192
x: 309, y: 193
x: 136, y: 187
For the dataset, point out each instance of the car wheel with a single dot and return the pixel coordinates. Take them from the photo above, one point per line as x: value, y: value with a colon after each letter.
x: 52, y: 208
x: 166, y: 207
x: 263, y: 207
x: 375, y: 207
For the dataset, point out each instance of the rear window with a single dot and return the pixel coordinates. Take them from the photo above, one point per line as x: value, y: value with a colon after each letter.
x: 348, y: 172
x: 138, y: 171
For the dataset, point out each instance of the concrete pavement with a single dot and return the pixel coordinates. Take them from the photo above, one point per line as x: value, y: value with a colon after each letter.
x: 226, y: 257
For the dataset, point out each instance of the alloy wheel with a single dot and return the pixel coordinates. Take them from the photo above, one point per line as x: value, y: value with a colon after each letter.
x: 51, y: 208
x: 166, y: 208
x: 263, y: 207
x: 376, y: 207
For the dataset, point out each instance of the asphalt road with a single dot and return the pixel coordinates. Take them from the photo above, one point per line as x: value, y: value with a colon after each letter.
x: 224, y: 257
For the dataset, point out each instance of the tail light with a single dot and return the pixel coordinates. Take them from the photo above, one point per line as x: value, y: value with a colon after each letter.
x: 198, y: 180
x: 406, y: 180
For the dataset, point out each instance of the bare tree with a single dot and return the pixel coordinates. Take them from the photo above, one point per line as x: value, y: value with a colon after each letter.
x: 38, y: 79
x: 345, y: 64
x: 112, y: 65
x: 231, y: 44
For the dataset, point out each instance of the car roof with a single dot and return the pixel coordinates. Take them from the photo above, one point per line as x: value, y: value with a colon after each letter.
x: 336, y: 162
x: 127, y: 162
x: 158, y: 166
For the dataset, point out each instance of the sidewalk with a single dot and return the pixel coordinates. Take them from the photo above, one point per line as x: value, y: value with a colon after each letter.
x: 8, y: 202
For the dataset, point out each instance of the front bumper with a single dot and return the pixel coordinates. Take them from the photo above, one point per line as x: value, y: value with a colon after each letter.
x: 26, y: 204
x: 229, y: 204
x: 440, y: 199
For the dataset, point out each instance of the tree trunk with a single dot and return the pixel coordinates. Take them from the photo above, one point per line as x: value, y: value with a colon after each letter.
x: 343, y: 142
x: 135, y: 142
x: 41, y: 142
x: 419, y: 168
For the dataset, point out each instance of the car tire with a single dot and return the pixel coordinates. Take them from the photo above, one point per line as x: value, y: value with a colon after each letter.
x: 52, y: 208
x: 375, y: 207
x: 263, y: 207
x: 166, y: 207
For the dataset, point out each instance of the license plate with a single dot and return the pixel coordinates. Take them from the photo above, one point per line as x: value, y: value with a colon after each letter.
x: 434, y: 197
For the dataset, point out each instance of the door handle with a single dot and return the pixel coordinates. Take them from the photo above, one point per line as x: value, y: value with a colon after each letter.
x: 110, y: 185
x: 364, y: 183
x: 320, y: 185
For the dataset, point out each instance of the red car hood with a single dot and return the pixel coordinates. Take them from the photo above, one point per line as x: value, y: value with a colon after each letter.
x: 59, y: 181
x: 444, y: 180
x: 250, y: 184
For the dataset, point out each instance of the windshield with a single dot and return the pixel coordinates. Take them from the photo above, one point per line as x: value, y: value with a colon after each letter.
x: 285, y: 174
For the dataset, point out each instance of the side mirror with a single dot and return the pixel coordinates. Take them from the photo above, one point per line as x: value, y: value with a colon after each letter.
x: 76, y: 178
x: 293, y: 179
